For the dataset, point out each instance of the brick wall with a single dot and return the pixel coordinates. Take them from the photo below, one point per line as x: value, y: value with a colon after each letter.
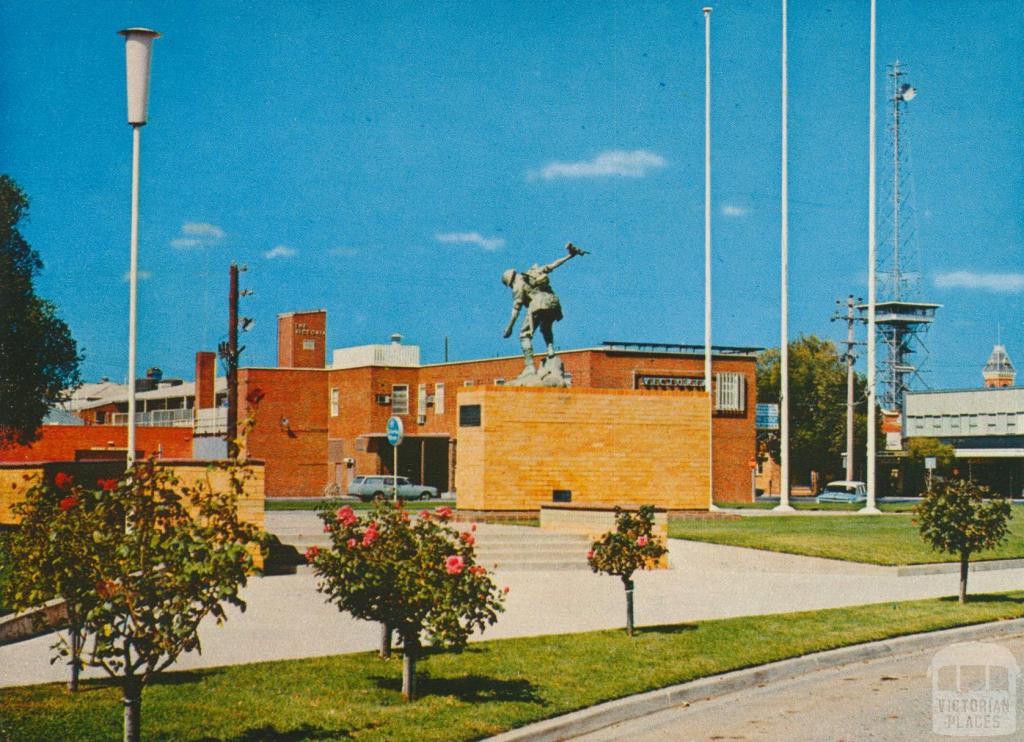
x: 607, y: 446
x: 60, y: 442
x: 296, y: 331
x: 296, y: 452
x: 206, y: 373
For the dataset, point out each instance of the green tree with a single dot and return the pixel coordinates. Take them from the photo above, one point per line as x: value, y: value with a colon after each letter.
x: 38, y: 357
x: 54, y: 558
x: 631, y: 546
x: 956, y: 519
x: 418, y: 576
x: 817, y: 407
x: 919, y: 449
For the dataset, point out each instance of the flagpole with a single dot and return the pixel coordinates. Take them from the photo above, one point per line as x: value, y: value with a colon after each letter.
x: 708, y: 386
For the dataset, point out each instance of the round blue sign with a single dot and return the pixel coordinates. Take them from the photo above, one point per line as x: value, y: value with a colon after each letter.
x: 396, y: 431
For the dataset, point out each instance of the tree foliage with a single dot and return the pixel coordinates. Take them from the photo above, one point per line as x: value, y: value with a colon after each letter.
x: 38, y: 357
x: 957, y: 519
x: 817, y: 406
x: 141, y: 561
x: 418, y: 576
x: 631, y: 546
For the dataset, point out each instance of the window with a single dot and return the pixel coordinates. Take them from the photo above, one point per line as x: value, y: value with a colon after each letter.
x: 309, y: 344
x: 421, y: 401
x: 439, y: 398
x: 399, y: 399
x: 469, y: 416
x: 469, y: 382
x: 730, y: 392
x: 499, y: 382
x: 335, y: 402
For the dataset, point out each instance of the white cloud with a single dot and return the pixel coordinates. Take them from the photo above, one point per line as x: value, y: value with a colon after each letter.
x: 141, y: 275
x: 471, y: 238
x: 280, y: 251
x: 732, y: 210
x: 1000, y: 283
x: 203, y: 229
x: 197, y: 235
x: 628, y: 164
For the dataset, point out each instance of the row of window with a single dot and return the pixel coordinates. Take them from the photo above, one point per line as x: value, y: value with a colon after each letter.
x: 983, y: 423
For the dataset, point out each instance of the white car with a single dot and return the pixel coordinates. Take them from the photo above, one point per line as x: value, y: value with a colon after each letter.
x: 367, y: 488
x: 844, y: 491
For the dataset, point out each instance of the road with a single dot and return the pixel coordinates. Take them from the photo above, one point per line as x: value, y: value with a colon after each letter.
x: 875, y: 701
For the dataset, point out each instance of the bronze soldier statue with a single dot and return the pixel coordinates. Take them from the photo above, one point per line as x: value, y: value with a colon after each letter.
x: 532, y: 289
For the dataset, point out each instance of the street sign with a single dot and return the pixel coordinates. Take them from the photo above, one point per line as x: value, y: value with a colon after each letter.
x: 929, y: 462
x: 767, y: 417
x: 396, y: 431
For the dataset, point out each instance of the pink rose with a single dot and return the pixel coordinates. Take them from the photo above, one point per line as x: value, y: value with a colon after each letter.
x: 454, y: 564
x: 504, y: 590
x: 424, y: 515
x: 473, y: 527
x: 444, y: 512
x: 351, y: 543
x: 642, y: 541
x: 369, y: 537
x: 346, y: 516
x: 467, y: 538
x: 590, y: 554
x: 312, y: 553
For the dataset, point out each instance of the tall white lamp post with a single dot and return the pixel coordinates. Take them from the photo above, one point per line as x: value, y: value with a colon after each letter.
x: 708, y: 387
x: 784, y: 505
x: 870, y: 508
x: 138, y: 46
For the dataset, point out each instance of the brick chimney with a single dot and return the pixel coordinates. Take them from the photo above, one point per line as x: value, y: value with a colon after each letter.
x: 206, y: 374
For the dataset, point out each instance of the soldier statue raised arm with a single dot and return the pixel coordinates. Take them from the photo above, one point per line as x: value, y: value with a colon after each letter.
x: 532, y: 289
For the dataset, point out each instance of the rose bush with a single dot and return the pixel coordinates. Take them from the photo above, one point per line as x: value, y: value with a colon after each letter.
x: 416, y: 577
x: 631, y: 546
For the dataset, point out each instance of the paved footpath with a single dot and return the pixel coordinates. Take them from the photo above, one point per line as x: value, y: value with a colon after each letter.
x: 287, y: 618
x: 874, y: 701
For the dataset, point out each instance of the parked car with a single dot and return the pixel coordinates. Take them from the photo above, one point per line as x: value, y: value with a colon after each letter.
x: 844, y: 491
x: 368, y: 487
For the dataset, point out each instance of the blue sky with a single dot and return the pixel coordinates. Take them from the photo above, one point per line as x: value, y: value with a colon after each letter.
x: 386, y: 163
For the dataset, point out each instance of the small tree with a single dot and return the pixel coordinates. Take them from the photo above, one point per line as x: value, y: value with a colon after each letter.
x: 417, y: 576
x: 955, y: 519
x: 52, y: 552
x: 631, y: 546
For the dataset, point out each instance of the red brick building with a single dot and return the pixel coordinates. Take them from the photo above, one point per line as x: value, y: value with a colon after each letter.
x: 319, y: 425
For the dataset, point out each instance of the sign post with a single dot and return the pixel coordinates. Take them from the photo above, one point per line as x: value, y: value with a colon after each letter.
x: 929, y: 464
x: 753, y: 477
x: 396, y: 432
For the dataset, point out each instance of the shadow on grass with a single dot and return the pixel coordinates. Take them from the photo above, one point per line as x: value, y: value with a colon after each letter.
x: 469, y: 688
x: 668, y: 628
x: 984, y: 598
x: 270, y: 732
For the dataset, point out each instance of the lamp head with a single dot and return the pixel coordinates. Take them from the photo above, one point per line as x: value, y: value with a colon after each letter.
x: 138, y: 48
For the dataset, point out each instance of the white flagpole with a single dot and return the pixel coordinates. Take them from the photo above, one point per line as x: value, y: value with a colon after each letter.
x: 870, y: 508
x: 784, y: 505
x: 708, y: 386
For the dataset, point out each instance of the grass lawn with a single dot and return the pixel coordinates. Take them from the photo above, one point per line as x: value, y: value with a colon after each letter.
x: 888, y: 540
x: 491, y: 687
x: 810, y: 504
x: 312, y: 503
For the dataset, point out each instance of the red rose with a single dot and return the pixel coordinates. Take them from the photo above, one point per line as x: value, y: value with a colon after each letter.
x: 312, y: 553
x: 67, y: 503
x: 351, y: 543
x: 504, y: 590
x: 369, y: 537
x: 107, y: 485
x: 444, y: 512
x: 454, y: 564
x: 425, y: 515
x: 642, y: 541
x: 346, y: 515
x: 590, y: 554
x: 63, y: 480
x: 467, y: 538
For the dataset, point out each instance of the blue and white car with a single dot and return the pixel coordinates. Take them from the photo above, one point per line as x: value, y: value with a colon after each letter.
x: 844, y: 491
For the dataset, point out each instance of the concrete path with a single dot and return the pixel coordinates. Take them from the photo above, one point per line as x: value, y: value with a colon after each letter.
x: 878, y: 700
x: 287, y: 618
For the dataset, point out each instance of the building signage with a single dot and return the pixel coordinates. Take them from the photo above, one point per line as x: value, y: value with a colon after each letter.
x: 646, y: 381
x: 301, y: 328
x: 767, y: 416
